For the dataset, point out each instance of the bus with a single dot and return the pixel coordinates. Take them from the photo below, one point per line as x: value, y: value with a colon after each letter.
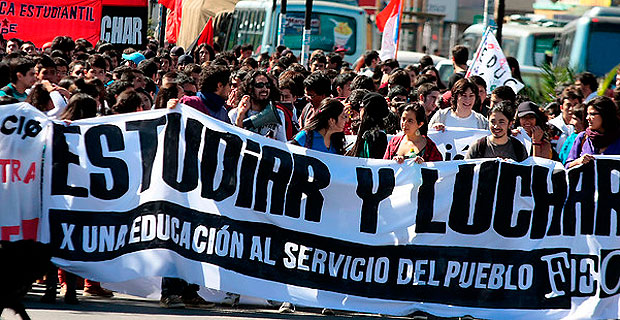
x: 528, y: 43
x: 333, y: 25
x: 592, y: 42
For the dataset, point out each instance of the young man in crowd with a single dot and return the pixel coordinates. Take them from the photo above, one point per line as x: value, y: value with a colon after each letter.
x: 428, y: 95
x: 259, y: 91
x: 22, y: 78
x: 500, y: 144
x: 371, y: 60
x: 317, y: 87
x: 214, y: 90
x: 95, y: 68
x: 460, y: 54
x: 568, y: 99
x: 588, y: 85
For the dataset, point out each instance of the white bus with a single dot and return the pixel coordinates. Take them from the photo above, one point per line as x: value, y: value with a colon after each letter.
x: 591, y: 43
x: 333, y: 25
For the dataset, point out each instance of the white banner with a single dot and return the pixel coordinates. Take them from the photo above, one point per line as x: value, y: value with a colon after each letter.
x: 180, y: 194
x: 22, y: 136
x: 490, y: 64
x: 453, y: 142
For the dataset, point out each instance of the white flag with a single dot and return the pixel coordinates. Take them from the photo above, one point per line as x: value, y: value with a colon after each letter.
x: 490, y: 64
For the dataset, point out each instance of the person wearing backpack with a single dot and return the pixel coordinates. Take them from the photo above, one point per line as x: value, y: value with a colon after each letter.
x: 500, y: 144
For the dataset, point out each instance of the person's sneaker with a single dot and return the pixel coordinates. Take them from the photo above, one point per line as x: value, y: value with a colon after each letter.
x: 197, y: 302
x: 287, y: 307
x: 171, y: 302
x: 231, y: 299
x: 97, y: 291
x: 327, y: 312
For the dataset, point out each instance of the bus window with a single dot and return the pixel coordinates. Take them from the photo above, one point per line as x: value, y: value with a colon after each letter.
x: 603, y: 47
x: 542, y: 44
x: 566, y: 44
x: 510, y: 46
x: 328, y: 31
x: 247, y: 27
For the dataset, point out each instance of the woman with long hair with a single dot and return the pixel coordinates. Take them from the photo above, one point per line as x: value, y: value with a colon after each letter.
x: 203, y: 53
x: 602, y: 136
x: 371, y: 137
x: 412, y: 142
x: 324, y: 132
x: 460, y: 114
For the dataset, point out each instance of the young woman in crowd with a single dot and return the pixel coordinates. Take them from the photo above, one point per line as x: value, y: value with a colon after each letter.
x: 371, y: 137
x: 602, y: 136
x: 533, y: 121
x: 460, y: 114
x: 412, y: 142
x: 324, y: 132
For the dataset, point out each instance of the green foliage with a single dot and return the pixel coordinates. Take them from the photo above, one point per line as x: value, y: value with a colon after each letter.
x: 552, y: 78
x: 609, y: 77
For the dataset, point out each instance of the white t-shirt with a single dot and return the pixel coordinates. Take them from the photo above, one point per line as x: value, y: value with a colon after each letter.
x: 566, y: 129
x: 276, y: 131
x: 453, y: 121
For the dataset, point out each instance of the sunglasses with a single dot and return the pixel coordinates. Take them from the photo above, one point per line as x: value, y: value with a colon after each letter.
x: 261, y: 85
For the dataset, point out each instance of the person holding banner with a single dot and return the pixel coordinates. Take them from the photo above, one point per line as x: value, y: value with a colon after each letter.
x: 602, y: 136
x: 412, y: 142
x: 461, y: 113
x: 500, y: 144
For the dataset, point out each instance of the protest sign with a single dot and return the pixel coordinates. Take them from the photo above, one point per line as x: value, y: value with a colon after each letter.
x: 180, y: 194
x: 490, y: 64
x: 22, y: 137
x: 124, y: 23
x: 40, y: 21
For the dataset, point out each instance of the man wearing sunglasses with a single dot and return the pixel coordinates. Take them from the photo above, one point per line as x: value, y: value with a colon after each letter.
x: 259, y: 91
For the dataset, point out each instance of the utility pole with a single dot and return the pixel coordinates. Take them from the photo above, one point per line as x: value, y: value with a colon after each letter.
x: 500, y: 10
x: 282, y: 27
x: 305, y: 43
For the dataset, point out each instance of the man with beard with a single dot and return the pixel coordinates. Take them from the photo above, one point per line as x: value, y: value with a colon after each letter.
x: 259, y: 90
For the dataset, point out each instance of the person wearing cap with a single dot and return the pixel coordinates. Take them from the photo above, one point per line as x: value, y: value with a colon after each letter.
x: 184, y: 60
x: 500, y: 144
x: 532, y: 120
x: 133, y: 58
x: 341, y: 51
x: 175, y: 53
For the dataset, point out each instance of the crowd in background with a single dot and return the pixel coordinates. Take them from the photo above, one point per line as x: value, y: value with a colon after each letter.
x: 314, y: 106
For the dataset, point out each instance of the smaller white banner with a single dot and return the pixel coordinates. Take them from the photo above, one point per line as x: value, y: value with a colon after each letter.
x: 490, y: 64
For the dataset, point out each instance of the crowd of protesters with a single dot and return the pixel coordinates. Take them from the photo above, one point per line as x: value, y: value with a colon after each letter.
x: 314, y: 106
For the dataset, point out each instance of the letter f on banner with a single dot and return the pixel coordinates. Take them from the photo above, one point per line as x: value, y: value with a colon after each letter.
x: 388, y: 22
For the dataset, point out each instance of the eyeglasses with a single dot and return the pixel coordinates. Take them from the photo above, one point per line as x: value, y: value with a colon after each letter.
x: 189, y: 93
x: 261, y: 85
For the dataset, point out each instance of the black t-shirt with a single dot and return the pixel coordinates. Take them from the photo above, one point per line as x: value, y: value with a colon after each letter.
x: 454, y: 78
x: 484, y: 148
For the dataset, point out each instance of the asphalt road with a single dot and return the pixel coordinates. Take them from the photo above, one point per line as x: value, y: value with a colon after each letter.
x: 129, y: 307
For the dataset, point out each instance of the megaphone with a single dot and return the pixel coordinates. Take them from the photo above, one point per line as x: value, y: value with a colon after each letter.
x: 268, y: 116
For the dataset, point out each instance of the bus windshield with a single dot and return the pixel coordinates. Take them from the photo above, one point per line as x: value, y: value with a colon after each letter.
x: 328, y: 31
x: 603, y: 47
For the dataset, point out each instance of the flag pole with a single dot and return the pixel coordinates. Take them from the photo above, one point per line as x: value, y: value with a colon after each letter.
x: 400, y: 21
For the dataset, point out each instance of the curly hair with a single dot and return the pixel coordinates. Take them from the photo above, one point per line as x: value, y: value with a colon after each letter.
x: 247, y: 86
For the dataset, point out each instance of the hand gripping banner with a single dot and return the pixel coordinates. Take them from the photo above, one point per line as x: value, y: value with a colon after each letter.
x: 179, y: 194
